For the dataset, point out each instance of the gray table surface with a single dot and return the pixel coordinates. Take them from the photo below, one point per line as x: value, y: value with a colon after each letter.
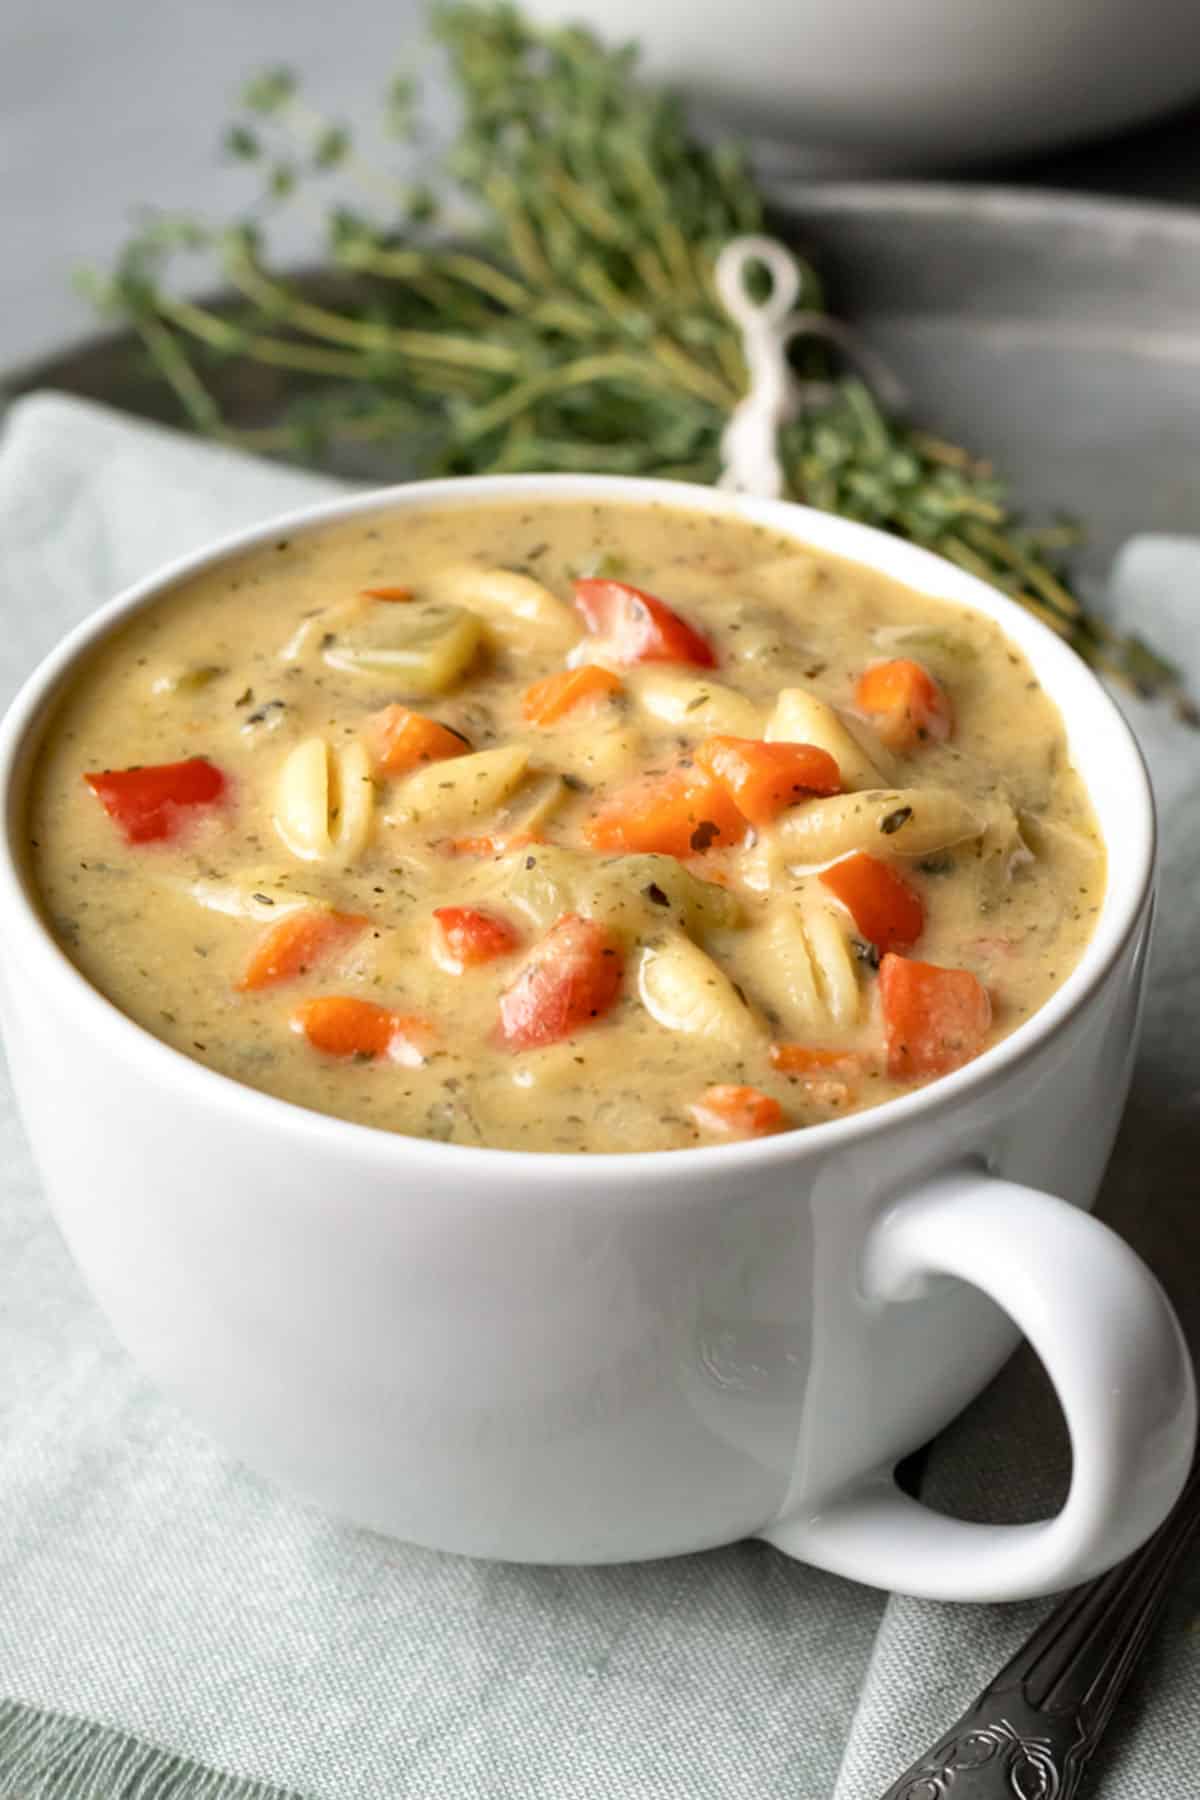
x: 105, y: 107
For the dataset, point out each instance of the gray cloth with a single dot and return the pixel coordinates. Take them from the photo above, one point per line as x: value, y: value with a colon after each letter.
x: 185, y: 1618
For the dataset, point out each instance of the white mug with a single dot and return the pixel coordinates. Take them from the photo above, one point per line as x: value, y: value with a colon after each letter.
x: 591, y: 1358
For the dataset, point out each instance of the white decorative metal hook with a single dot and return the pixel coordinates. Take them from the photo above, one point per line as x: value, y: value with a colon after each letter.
x: 750, y: 441
x: 749, y: 453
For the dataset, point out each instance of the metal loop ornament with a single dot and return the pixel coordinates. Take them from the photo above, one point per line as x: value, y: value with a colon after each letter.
x: 750, y: 441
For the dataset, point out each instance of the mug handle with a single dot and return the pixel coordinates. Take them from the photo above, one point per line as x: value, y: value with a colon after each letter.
x: 1114, y: 1351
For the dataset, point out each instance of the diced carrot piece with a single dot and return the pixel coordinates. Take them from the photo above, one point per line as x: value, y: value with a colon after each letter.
x: 400, y: 740
x: 730, y: 1111
x: 682, y: 813
x: 638, y: 628
x: 762, y: 779
x: 886, y: 909
x: 568, y: 980
x: 387, y: 593
x: 150, y: 803
x: 343, y: 1025
x: 934, y: 1019
x: 906, y: 704
x: 560, y: 694
x: 465, y: 937
x: 293, y: 945
x: 801, y: 1059
x: 830, y: 1077
x: 494, y: 844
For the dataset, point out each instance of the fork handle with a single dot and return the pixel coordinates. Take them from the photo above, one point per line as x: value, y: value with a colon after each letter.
x: 1031, y: 1734
x: 1001, y: 1749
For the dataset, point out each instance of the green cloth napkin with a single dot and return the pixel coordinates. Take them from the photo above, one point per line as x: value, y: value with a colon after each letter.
x: 172, y: 1626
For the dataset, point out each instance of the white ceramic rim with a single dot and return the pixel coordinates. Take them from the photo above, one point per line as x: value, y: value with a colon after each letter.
x: 1081, y: 699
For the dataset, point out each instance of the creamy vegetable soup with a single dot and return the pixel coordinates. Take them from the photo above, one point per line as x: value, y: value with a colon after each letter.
x: 567, y: 827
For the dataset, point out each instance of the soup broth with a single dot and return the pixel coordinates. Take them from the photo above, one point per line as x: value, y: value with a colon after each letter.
x: 564, y: 827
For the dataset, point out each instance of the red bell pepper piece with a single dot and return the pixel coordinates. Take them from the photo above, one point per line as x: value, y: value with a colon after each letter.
x: 150, y: 803
x: 569, y: 979
x: 638, y: 628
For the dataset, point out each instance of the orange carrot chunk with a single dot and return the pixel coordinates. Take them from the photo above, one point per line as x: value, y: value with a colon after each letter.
x: 934, y: 1019
x: 295, y: 944
x: 387, y: 593
x: 568, y: 980
x: 905, y: 703
x: 730, y: 1111
x: 495, y: 843
x: 466, y: 937
x: 887, y: 911
x: 636, y: 627
x: 830, y: 1078
x: 762, y: 779
x: 150, y: 803
x: 802, y: 1059
x: 681, y: 813
x: 549, y: 700
x: 400, y: 740
x: 342, y: 1025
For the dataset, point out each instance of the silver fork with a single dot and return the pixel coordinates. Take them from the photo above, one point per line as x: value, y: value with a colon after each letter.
x: 1034, y: 1729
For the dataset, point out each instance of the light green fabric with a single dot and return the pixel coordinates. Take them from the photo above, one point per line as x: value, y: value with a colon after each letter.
x: 211, y: 1627
x: 49, y: 1756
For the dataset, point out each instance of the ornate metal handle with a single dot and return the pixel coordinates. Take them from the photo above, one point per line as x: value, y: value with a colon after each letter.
x: 1032, y: 1733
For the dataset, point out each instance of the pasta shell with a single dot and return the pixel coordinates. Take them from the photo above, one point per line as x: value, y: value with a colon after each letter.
x: 690, y: 704
x: 805, y: 969
x: 592, y: 753
x: 896, y: 822
x: 265, y: 900
x: 833, y: 964
x: 518, y: 612
x: 466, y: 787
x: 683, y: 990
x: 325, y: 801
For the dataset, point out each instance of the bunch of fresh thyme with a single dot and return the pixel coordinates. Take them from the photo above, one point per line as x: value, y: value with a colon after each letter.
x: 571, y: 323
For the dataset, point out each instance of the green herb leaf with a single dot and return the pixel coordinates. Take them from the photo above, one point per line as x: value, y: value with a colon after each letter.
x: 269, y: 91
x: 568, y: 320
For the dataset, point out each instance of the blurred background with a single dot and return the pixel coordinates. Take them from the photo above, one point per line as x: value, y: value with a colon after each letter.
x: 103, y: 108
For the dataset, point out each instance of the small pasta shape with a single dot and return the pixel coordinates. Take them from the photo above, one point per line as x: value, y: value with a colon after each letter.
x: 693, y: 705
x: 833, y: 962
x: 592, y: 753
x: 683, y: 990
x: 325, y: 801
x: 806, y: 970
x: 535, y: 803
x: 783, y: 971
x: 518, y: 612
x: 800, y: 718
x: 895, y: 822
x: 464, y: 788
x: 249, y: 899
